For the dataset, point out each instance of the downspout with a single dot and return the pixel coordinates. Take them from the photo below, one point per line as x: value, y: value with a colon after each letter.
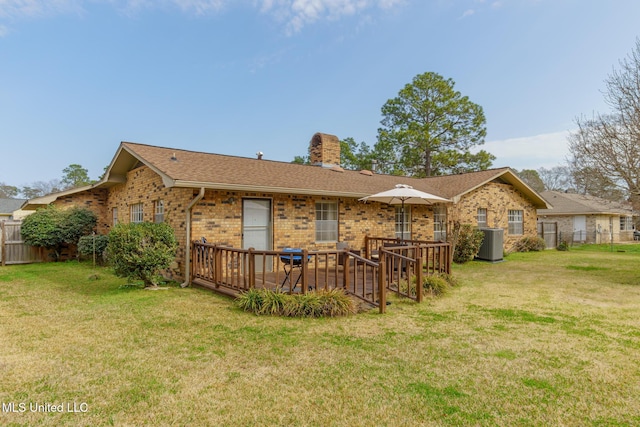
x: 187, y: 265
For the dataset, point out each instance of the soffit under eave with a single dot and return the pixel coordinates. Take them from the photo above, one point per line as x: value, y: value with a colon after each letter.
x: 509, y: 177
x: 551, y: 212
x: 265, y: 189
x: 124, y: 161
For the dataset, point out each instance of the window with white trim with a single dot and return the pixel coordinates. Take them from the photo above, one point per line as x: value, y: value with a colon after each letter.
x: 136, y: 212
x: 626, y: 223
x: 326, y: 221
x: 482, y: 217
x: 406, y: 222
x: 440, y: 223
x: 114, y: 215
x: 515, y: 222
x: 159, y: 211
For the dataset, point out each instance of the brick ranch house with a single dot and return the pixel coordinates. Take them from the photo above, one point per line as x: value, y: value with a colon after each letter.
x: 251, y: 202
x: 582, y: 218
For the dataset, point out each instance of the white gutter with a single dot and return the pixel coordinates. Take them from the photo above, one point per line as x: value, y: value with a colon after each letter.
x: 187, y: 266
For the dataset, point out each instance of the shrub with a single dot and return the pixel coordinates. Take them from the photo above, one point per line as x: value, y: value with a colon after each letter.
x: 335, y: 302
x: 563, y: 246
x: 52, y: 228
x: 273, y: 303
x: 329, y: 303
x: 77, y: 222
x: 435, y: 285
x: 250, y: 300
x: 529, y: 244
x: 138, y: 251
x: 96, y: 244
x: 469, y: 240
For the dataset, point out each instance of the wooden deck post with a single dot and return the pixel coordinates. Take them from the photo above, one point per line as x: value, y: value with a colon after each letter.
x: 382, y: 285
x: 418, y: 267
x: 346, y: 270
x: 305, y: 271
x: 217, y: 275
x: 366, y: 247
x: 252, y: 268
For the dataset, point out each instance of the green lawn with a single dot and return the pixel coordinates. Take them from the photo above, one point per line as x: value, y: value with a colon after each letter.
x: 550, y: 338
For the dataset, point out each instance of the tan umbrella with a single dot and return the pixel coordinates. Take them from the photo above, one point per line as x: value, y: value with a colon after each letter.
x: 402, y: 194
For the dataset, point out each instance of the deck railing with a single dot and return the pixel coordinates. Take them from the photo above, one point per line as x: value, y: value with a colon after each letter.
x: 397, y: 268
x: 436, y: 256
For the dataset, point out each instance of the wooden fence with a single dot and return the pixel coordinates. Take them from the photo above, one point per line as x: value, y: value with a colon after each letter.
x: 549, y: 232
x: 12, y: 249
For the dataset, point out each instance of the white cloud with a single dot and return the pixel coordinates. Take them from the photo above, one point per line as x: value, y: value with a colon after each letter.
x: 294, y: 14
x: 532, y: 152
x: 200, y: 7
x: 33, y: 8
x: 467, y: 12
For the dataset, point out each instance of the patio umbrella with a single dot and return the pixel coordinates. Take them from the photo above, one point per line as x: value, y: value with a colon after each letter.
x: 402, y: 194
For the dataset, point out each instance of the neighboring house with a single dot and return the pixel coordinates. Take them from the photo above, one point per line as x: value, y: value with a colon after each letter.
x: 10, y: 209
x: 588, y: 219
x: 251, y: 202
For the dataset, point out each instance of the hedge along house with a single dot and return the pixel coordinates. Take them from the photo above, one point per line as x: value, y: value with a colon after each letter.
x: 253, y: 202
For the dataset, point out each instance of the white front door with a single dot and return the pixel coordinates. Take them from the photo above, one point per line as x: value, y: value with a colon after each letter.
x: 579, y: 228
x: 256, y: 227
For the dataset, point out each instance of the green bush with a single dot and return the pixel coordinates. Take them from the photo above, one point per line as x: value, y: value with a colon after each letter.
x: 563, y: 246
x: 251, y: 300
x: 52, y: 228
x: 322, y: 303
x: 138, y: 251
x: 435, y: 285
x: 468, y: 243
x: 529, y: 244
x: 95, y: 244
x: 77, y: 222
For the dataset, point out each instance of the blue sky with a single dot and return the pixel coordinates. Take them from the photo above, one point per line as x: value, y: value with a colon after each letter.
x: 240, y: 76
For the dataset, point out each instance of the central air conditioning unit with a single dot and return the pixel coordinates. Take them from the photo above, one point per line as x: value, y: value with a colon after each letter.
x: 492, y: 245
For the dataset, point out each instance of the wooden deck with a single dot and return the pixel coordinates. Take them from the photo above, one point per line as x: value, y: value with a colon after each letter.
x: 232, y: 271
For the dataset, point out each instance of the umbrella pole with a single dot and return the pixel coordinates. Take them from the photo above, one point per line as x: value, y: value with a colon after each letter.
x: 402, y: 223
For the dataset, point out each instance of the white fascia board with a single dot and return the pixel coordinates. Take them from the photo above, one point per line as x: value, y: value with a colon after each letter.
x: 259, y: 188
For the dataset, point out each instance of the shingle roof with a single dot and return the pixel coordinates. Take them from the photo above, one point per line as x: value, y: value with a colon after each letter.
x: 8, y: 206
x: 573, y: 203
x: 183, y: 168
x: 193, y: 169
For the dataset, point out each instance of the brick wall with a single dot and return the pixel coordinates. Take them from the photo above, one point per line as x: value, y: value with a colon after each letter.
x: 218, y: 216
x: 324, y: 149
x: 498, y: 199
x: 94, y: 200
x: 146, y: 187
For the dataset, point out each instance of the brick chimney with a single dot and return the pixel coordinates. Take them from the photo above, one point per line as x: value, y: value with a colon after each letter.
x: 324, y: 150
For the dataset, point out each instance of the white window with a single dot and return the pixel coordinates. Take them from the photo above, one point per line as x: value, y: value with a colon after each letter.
x: 440, y: 223
x: 326, y: 222
x: 626, y: 223
x: 159, y: 211
x: 515, y: 222
x: 403, y: 222
x: 114, y: 215
x: 482, y: 217
x: 136, y: 213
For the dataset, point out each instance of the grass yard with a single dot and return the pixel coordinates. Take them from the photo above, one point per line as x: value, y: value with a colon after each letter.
x: 550, y: 338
